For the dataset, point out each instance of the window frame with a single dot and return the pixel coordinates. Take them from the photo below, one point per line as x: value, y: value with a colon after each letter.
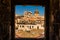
x: 42, y: 3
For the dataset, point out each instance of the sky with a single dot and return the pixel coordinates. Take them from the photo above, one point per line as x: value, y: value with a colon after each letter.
x: 19, y: 9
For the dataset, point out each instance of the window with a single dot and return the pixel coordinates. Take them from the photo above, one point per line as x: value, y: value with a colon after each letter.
x: 32, y: 22
x: 32, y: 26
x: 37, y: 27
x: 22, y: 26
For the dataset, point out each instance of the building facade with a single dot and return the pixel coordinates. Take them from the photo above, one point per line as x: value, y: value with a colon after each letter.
x: 29, y: 21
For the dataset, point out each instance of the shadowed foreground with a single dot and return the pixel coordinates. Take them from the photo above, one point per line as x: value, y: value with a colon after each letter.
x: 30, y: 34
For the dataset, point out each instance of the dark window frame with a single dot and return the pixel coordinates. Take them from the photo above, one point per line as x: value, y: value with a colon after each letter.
x: 44, y: 3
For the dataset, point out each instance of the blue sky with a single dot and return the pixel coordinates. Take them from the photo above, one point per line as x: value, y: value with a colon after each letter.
x: 19, y: 9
